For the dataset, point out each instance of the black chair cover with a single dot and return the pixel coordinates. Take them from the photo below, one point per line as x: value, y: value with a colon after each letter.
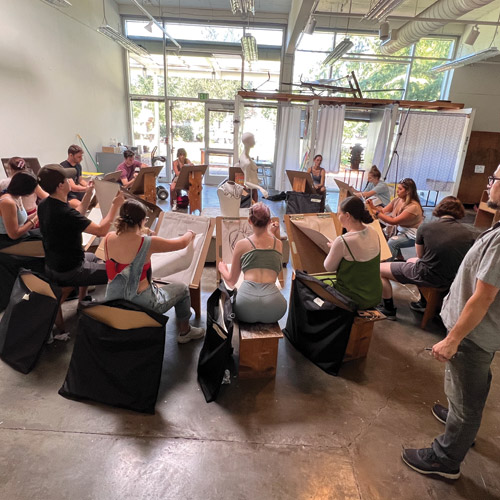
x: 116, y: 367
x: 304, y: 203
x: 215, y: 355
x: 317, y: 328
x: 27, y: 323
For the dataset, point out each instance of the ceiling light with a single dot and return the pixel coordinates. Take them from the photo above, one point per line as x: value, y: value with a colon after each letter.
x: 58, y: 3
x: 310, y: 26
x: 149, y: 27
x: 472, y: 36
x: 465, y: 60
x: 123, y: 41
x: 342, y: 48
x: 383, y: 31
x: 244, y: 7
x: 382, y: 8
x: 154, y: 21
x: 249, y: 48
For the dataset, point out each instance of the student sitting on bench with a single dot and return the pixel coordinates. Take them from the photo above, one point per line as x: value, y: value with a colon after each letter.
x: 128, y: 265
x: 260, y: 258
x: 15, y: 225
x: 441, y: 246
x: 355, y: 256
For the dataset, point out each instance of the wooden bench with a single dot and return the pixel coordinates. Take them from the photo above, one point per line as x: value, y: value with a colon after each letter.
x: 258, y: 349
x: 434, y: 298
x: 361, y: 334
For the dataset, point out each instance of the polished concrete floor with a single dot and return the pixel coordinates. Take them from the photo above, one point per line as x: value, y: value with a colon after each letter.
x: 304, y: 435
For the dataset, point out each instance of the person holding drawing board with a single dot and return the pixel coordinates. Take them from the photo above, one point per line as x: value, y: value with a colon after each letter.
x: 260, y: 258
x: 177, y: 165
x: 318, y: 175
x: 355, y: 256
x: 128, y: 265
x: 129, y: 168
x: 376, y: 189
x: 403, y: 215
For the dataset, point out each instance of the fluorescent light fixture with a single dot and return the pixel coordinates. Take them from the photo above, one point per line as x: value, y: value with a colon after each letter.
x: 249, y: 48
x: 243, y: 7
x: 465, y: 60
x: 310, y: 26
x: 58, y: 3
x: 123, y: 41
x: 153, y: 20
x: 472, y: 36
x: 382, y: 8
x: 341, y: 48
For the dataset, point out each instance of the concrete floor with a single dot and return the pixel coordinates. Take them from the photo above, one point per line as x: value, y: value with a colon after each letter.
x: 304, y: 435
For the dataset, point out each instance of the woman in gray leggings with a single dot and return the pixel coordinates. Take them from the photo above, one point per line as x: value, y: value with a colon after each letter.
x: 259, y: 256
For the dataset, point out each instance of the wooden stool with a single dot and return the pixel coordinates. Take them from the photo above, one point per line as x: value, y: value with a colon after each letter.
x: 434, y: 298
x: 259, y: 349
x: 361, y: 334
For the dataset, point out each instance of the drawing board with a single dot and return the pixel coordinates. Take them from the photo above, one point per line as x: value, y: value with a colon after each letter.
x: 304, y: 179
x: 137, y: 186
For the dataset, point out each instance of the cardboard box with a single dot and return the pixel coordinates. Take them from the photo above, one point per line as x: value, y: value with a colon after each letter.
x: 111, y: 149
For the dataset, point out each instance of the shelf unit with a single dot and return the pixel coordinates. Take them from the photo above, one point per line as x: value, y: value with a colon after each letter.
x: 486, y: 216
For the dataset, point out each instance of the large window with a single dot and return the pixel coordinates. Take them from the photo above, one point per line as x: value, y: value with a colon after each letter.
x: 402, y: 75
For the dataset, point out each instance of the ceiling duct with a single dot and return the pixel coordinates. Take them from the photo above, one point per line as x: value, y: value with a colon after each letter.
x: 413, y: 31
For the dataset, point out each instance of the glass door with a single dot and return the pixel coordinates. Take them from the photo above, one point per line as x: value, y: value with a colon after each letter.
x: 218, y: 154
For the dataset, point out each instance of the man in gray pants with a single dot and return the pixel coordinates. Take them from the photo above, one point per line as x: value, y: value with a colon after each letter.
x: 471, y: 314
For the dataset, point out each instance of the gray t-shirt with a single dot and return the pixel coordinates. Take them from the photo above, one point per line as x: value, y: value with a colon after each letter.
x: 381, y: 192
x: 481, y: 262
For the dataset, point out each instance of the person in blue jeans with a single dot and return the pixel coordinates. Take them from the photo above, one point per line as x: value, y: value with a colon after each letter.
x: 128, y: 265
x: 471, y: 314
x: 403, y: 216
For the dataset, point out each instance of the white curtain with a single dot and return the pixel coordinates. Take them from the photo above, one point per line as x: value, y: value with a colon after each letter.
x: 429, y: 149
x: 329, y: 136
x: 382, y: 146
x: 288, y: 156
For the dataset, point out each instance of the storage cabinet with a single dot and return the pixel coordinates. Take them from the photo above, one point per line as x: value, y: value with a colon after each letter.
x: 486, y: 216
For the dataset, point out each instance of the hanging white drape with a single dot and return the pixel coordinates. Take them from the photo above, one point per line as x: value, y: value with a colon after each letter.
x: 429, y: 149
x: 382, y: 146
x: 329, y: 136
x: 288, y: 156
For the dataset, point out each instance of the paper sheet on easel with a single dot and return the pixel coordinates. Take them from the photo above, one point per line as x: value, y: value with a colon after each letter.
x: 385, y: 252
x: 319, y: 231
x: 233, y: 230
x: 105, y: 192
x: 94, y: 216
x: 180, y: 266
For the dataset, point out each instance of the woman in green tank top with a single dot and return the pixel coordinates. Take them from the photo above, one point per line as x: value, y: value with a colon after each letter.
x: 355, y: 256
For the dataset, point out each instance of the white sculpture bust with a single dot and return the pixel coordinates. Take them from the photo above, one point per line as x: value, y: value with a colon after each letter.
x: 248, y: 165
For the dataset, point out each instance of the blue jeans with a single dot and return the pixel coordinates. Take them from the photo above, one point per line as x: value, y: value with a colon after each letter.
x: 466, y: 384
x: 396, y: 243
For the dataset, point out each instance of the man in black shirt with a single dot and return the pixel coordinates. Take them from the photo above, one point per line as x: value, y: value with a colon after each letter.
x: 62, y: 226
x: 76, y: 183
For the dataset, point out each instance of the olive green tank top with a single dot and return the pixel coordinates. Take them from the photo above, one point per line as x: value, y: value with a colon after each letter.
x: 360, y: 280
x: 261, y: 258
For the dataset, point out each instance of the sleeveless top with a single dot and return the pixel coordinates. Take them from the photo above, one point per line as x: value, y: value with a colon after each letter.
x: 360, y: 280
x: 316, y: 178
x: 22, y: 216
x: 113, y: 268
x: 261, y: 258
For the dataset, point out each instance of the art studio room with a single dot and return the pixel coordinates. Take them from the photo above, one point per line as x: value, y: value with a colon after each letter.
x: 250, y: 249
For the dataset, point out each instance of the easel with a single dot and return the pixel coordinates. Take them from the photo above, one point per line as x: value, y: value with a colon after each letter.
x: 145, y: 183
x: 345, y: 191
x: 301, y: 182
x: 190, y: 179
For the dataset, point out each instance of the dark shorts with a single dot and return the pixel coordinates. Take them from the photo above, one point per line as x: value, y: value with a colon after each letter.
x: 91, y: 272
x: 405, y: 272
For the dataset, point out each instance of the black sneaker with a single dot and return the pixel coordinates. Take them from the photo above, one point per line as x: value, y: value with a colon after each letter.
x: 389, y: 313
x: 425, y: 461
x: 440, y: 412
x: 418, y: 306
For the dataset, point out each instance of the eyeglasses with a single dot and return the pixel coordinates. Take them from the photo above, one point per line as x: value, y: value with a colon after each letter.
x: 492, y: 179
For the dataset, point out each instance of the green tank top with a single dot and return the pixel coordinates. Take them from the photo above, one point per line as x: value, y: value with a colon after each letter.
x: 360, y: 280
x: 261, y: 258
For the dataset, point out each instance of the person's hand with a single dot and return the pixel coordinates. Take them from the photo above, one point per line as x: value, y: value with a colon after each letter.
x: 329, y: 244
x: 370, y: 204
x: 193, y: 234
x: 358, y: 194
x: 274, y: 228
x: 443, y: 351
x: 119, y: 199
x: 223, y: 268
x: 90, y: 187
x: 91, y: 183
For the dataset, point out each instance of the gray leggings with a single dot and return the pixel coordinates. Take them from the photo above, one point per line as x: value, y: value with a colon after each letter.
x: 259, y: 303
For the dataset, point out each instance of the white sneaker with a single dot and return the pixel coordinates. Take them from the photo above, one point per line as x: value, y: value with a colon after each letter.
x: 193, y: 334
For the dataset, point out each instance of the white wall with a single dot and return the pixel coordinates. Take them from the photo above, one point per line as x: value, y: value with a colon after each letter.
x: 59, y: 77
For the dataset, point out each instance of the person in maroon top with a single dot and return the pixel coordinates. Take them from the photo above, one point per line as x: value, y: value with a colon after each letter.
x: 129, y: 168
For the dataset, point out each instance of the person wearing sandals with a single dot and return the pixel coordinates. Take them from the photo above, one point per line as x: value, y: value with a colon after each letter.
x: 128, y: 265
x: 355, y: 256
x: 258, y: 299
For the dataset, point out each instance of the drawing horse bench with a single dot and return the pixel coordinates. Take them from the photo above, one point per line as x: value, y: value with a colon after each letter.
x: 434, y: 298
x: 258, y: 349
x: 361, y: 334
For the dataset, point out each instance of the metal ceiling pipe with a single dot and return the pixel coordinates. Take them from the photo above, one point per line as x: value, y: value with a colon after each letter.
x: 413, y: 31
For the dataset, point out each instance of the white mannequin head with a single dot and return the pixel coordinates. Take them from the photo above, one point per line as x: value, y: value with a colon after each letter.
x: 248, y: 139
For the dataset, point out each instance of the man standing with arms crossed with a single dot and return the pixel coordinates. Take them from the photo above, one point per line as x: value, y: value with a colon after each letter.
x: 471, y: 314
